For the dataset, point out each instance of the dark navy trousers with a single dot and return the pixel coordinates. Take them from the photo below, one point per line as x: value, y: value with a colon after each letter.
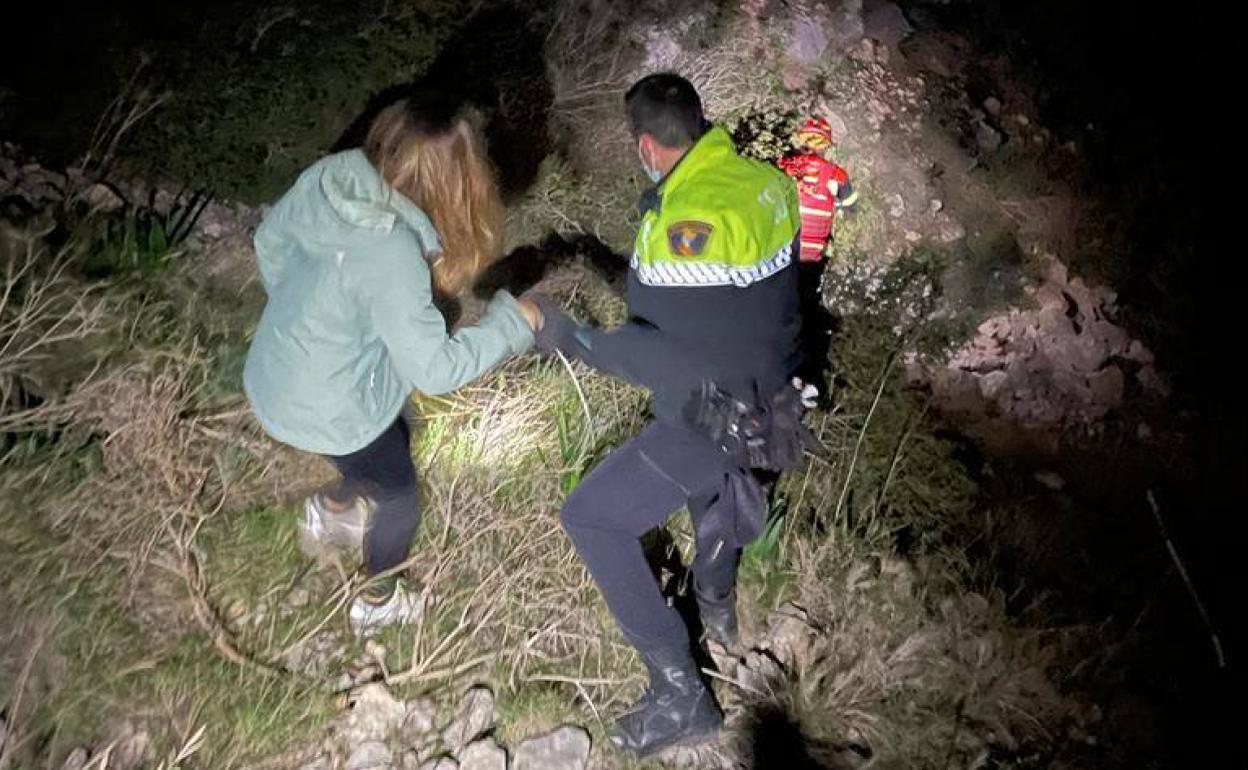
x: 634, y: 490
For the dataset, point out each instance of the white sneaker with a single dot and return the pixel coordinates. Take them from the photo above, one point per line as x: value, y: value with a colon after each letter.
x: 322, y: 529
x: 400, y: 609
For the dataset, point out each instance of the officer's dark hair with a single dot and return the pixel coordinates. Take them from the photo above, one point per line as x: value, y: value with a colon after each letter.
x: 667, y: 107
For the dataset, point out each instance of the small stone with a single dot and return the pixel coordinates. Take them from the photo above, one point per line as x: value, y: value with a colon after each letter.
x: 951, y: 231
x: 1051, y: 480
x: 420, y: 722
x: 1108, y: 386
x: 896, y: 205
x: 1152, y: 381
x: 886, y: 23
x: 991, y: 383
x: 375, y: 714
x: 564, y: 749
x: 988, y: 138
x: 321, y: 762
x: 101, y: 197
x: 1137, y: 352
x: 441, y: 763
x: 992, y: 106
x: 936, y: 206
x: 130, y: 750
x: 790, y: 635
x: 76, y: 760
x: 483, y: 755
x: 370, y: 755
x: 759, y: 672
x: 475, y: 716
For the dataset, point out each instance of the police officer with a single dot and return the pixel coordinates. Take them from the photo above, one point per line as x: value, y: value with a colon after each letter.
x: 712, y: 297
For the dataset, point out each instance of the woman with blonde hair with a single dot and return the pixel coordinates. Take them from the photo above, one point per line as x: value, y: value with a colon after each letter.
x: 351, y: 257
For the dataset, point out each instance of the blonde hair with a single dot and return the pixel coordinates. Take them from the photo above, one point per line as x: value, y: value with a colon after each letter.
x: 432, y: 152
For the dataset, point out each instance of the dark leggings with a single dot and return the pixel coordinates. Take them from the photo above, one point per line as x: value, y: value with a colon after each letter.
x: 383, y: 473
x: 633, y: 491
x: 817, y: 326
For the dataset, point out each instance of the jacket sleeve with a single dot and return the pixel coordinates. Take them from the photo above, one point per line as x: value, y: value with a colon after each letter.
x: 635, y: 351
x: 414, y: 332
x: 269, y: 251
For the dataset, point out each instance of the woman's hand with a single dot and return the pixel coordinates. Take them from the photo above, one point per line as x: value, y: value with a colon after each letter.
x: 532, y: 314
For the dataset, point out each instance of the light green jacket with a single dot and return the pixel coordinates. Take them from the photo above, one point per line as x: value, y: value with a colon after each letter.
x: 724, y: 220
x: 350, y: 328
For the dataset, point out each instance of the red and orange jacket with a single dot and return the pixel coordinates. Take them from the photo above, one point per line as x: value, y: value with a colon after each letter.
x: 823, y: 187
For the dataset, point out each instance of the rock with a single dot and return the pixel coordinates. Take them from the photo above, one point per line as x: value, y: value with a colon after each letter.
x: 76, y: 760
x: 1051, y: 480
x: 370, y: 755
x: 130, y: 748
x: 441, y: 763
x: 896, y: 205
x: 807, y: 39
x: 408, y: 760
x: 988, y: 138
x: 789, y: 635
x: 483, y: 755
x: 321, y: 762
x: 101, y: 197
x: 475, y: 716
x: 300, y: 597
x: 564, y: 749
x: 759, y: 672
x: 1137, y: 352
x: 1152, y: 381
x: 887, y: 24
x: 316, y: 655
x: 840, y: 129
x: 992, y: 106
x: 936, y: 205
x: 951, y: 230
x: 1108, y: 386
x: 419, y: 723
x: 991, y: 383
x: 375, y: 715
x: 900, y: 572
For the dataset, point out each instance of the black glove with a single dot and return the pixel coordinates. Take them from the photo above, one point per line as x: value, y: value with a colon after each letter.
x: 557, y: 327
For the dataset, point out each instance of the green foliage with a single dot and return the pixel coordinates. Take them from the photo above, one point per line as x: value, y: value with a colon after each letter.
x: 138, y: 240
x: 257, y: 96
x: 765, y: 136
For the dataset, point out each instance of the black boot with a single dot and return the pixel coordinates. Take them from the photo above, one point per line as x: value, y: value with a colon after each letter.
x: 677, y: 708
x: 719, y: 616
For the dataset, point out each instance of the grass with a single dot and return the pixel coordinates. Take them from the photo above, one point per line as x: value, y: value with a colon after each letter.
x: 147, y: 527
x: 510, y: 604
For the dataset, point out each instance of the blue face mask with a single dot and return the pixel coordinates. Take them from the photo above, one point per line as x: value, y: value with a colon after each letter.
x: 655, y: 175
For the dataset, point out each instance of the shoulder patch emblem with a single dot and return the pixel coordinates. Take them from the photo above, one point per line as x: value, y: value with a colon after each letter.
x: 688, y: 238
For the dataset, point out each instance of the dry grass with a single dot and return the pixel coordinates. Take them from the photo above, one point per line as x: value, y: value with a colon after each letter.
x: 151, y: 564
x: 42, y: 312
x: 597, y: 49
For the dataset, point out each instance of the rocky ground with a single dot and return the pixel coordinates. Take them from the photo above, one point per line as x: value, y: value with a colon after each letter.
x: 1044, y: 354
